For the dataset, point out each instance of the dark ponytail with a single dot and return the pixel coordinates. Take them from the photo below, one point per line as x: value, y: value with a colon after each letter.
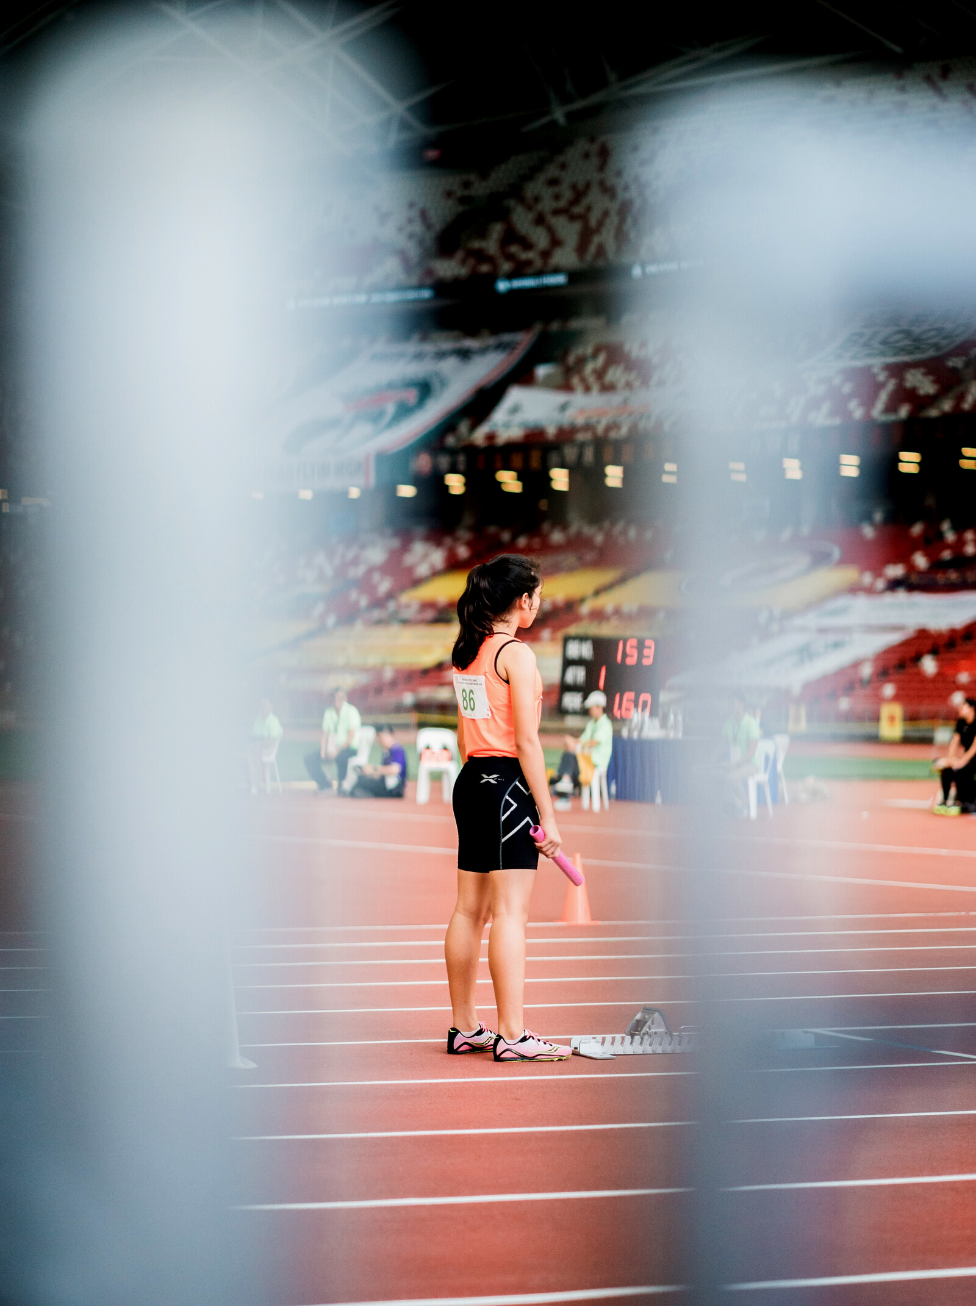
x: 492, y: 589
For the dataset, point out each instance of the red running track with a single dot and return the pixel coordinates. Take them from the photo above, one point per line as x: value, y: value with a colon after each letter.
x: 382, y: 1170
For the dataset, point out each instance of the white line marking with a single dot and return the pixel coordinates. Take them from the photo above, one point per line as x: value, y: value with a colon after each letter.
x: 839, y: 1280
x: 875, y: 1115
x: 542, y: 979
x: 555, y: 925
x: 498, y: 1078
x: 426, y: 850
x: 452, y: 1133
x: 609, y: 956
x: 894, y: 1181
x: 471, y: 1200
x: 871, y: 1065
x: 347, y: 1011
x: 908, y: 851
x: 525, y: 1298
x: 594, y: 979
x: 673, y: 1002
x: 953, y: 1024
x: 860, y: 1038
x: 797, y: 876
x: 602, y: 938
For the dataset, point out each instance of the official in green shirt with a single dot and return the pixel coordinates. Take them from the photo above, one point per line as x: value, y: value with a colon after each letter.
x: 596, y: 741
x: 597, y: 736
x: 341, y: 724
x: 741, y: 734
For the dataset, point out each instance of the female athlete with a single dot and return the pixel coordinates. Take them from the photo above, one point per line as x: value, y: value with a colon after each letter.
x: 502, y: 791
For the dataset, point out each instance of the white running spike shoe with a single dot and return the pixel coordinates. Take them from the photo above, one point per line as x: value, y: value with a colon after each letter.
x: 480, y: 1041
x: 530, y: 1047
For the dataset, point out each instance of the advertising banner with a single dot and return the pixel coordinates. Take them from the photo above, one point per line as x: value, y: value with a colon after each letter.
x: 327, y: 436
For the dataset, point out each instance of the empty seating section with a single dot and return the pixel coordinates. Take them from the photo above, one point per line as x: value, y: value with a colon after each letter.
x: 595, y: 203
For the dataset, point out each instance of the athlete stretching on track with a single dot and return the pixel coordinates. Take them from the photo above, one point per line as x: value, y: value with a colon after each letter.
x: 499, y: 693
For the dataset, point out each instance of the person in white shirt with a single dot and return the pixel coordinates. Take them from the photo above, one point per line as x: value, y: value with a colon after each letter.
x: 341, y: 724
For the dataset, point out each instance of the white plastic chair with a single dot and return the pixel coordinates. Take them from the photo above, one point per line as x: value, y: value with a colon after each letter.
x: 782, y: 743
x: 366, y: 736
x: 439, y: 738
x: 765, y: 754
x: 596, y: 787
x: 269, y: 760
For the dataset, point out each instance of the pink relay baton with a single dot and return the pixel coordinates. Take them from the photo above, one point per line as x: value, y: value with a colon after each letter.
x: 537, y: 833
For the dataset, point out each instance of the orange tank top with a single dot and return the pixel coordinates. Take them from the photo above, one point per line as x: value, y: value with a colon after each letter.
x: 485, y: 702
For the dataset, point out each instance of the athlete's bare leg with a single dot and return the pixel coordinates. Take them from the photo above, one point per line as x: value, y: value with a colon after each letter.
x: 510, y: 893
x: 462, y: 945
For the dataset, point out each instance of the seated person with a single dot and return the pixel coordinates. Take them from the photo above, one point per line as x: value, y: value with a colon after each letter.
x: 595, y: 743
x: 265, y: 730
x: 389, y: 779
x: 959, y: 765
x: 341, y: 724
x: 740, y: 735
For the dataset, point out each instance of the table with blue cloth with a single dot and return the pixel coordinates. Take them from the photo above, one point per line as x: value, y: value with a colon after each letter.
x: 673, y: 768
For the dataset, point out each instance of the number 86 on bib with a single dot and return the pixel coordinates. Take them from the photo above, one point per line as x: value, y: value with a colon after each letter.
x: 472, y: 697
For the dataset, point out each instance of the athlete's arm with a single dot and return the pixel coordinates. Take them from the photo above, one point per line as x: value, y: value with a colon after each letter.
x: 516, y: 663
x: 461, y: 749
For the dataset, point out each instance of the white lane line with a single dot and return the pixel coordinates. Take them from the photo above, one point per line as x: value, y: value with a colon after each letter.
x: 842, y: 1280
x: 430, y: 850
x: 609, y: 956
x: 673, y: 1002
x: 353, y: 1011
x: 526, y: 1298
x: 872, y: 1115
x: 452, y: 1133
x: 544, y: 979
x: 830, y: 997
x: 870, y: 1065
x: 369, y: 1042
x: 600, y: 938
x: 586, y: 956
x: 476, y: 1079
x: 846, y: 846
x: 892, y: 1182
x: 556, y: 925
x: 796, y: 876
x: 860, y: 1038
x: 594, y: 979
x: 470, y: 1200
x: 949, y: 1024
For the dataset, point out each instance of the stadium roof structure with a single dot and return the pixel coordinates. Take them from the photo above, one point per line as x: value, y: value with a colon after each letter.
x: 431, y: 81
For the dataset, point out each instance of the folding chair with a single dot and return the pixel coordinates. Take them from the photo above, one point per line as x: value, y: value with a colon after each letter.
x: 438, y: 740
x: 782, y: 743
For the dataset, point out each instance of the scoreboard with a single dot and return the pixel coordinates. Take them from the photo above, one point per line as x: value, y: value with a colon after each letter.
x: 625, y: 669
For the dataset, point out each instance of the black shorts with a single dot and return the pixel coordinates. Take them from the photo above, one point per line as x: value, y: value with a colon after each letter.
x: 493, y: 808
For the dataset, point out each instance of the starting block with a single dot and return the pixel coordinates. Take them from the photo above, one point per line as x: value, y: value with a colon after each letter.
x: 602, y: 1047
x: 647, y: 1033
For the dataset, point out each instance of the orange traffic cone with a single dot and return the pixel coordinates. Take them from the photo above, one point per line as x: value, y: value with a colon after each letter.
x: 576, y: 907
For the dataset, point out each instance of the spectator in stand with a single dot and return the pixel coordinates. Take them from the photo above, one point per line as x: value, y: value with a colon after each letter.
x: 265, y: 730
x: 389, y: 779
x: 959, y: 765
x: 740, y: 735
x: 594, y: 746
x: 341, y: 724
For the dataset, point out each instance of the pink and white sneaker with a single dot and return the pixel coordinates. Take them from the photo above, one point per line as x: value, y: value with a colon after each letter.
x: 530, y: 1047
x: 480, y: 1041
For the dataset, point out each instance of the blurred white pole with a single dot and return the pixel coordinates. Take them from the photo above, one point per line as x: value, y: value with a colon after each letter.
x: 144, y: 263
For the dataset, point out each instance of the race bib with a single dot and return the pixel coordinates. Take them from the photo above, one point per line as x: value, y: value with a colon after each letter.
x: 472, y: 697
